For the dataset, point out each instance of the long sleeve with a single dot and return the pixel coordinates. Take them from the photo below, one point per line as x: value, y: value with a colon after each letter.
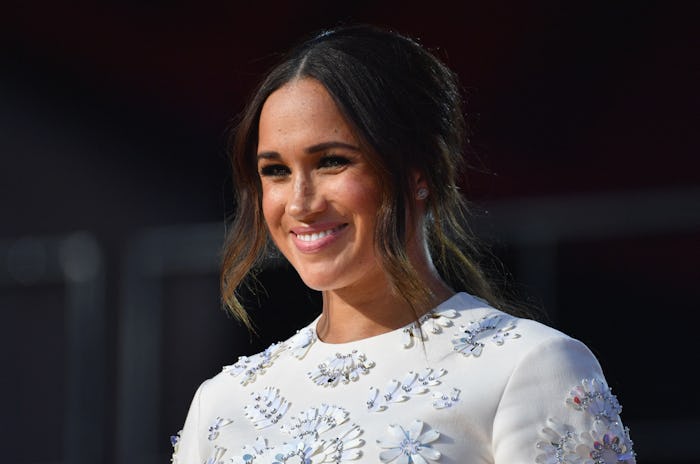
x: 557, y: 408
x: 186, y: 448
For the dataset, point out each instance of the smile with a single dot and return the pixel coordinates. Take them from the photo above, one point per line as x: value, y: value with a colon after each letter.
x: 312, y: 237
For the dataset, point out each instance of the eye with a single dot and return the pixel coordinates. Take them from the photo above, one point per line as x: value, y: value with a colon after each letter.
x: 333, y: 161
x: 274, y: 170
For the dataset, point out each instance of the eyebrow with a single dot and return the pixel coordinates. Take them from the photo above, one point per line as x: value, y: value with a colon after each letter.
x: 312, y: 149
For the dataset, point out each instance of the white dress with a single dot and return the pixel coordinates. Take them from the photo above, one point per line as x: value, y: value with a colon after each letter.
x: 481, y: 387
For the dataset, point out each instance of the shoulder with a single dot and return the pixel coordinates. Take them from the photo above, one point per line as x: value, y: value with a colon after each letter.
x: 510, y: 345
x: 247, y: 369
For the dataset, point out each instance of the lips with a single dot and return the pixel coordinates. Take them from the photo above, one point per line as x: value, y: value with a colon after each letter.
x: 313, y: 239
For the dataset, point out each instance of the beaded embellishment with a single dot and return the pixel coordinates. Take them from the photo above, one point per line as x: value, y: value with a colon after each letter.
x: 409, y: 445
x: 607, y: 441
x: 300, y: 343
x: 251, y: 366
x: 216, y: 426
x: 432, y: 322
x: 309, y: 440
x: 341, y: 368
x: 395, y: 392
x: 594, y: 397
x: 445, y: 400
x: 267, y: 409
x: 471, y: 339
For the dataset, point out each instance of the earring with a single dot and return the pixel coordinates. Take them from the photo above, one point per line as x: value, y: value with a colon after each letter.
x: 422, y: 193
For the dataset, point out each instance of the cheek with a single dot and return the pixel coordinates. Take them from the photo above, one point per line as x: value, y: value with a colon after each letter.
x: 272, y: 206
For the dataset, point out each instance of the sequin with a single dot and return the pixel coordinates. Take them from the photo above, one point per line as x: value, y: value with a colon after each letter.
x: 300, y: 343
x: 606, y: 442
x: 252, y: 366
x: 445, y: 400
x: 216, y: 426
x: 596, y: 398
x: 408, y: 444
x: 470, y: 341
x: 396, y: 392
x: 341, y: 368
x: 267, y: 409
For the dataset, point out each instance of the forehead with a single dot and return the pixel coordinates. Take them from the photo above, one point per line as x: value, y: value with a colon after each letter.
x: 299, y: 111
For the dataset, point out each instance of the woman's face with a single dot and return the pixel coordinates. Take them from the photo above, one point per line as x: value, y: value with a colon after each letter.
x: 319, y: 195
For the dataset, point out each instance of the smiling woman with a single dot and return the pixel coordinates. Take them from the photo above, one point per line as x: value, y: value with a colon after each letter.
x: 320, y: 195
x: 346, y: 160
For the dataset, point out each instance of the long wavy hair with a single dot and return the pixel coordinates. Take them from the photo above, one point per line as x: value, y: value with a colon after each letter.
x: 406, y: 107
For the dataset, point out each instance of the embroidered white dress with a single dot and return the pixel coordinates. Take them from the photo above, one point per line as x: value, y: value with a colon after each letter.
x: 482, y: 387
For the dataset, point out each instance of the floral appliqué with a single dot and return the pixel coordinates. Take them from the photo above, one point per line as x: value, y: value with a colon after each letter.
x: 341, y: 368
x: 408, y: 445
x: 411, y: 385
x: 471, y: 339
x: 318, y: 435
x: 432, y: 322
x: 300, y: 343
x: 214, y: 428
x: 251, y: 366
x: 607, y: 442
x: 446, y: 400
x: 267, y: 409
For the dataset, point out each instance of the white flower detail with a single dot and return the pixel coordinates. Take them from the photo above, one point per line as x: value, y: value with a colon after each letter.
x: 344, y: 446
x: 216, y: 456
x: 410, y: 333
x: 596, y: 398
x: 392, y: 394
x: 605, y: 442
x: 560, y: 445
x: 300, y: 343
x: 251, y: 452
x: 341, y: 368
x: 413, y: 384
x: 472, y: 337
x: 408, y: 445
x: 428, y: 378
x: 308, y: 443
x: 267, y: 409
x: 432, y: 321
x: 251, y: 366
x: 214, y: 428
x: 609, y: 443
x: 436, y: 320
x: 445, y: 400
x: 315, y: 421
x: 299, y: 451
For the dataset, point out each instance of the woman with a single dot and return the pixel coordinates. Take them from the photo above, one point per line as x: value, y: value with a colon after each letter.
x: 347, y: 159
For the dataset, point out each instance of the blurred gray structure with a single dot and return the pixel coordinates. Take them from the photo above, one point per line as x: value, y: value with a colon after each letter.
x: 74, y: 261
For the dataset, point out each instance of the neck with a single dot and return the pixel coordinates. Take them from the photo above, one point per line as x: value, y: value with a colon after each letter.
x: 354, y: 314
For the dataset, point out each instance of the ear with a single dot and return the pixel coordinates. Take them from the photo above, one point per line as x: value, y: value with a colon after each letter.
x: 419, y: 185
x: 418, y: 180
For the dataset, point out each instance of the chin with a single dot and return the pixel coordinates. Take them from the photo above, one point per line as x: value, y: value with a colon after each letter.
x: 319, y: 285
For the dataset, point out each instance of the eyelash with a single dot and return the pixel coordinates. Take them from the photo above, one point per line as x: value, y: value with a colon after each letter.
x: 326, y: 162
x: 333, y: 161
x: 274, y: 170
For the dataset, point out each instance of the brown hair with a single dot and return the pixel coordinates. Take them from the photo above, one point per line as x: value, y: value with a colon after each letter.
x: 405, y: 106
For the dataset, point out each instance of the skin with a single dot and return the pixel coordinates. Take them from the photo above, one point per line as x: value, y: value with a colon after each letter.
x: 320, y: 199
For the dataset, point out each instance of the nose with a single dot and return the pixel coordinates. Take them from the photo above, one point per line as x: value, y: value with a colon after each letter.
x: 306, y: 198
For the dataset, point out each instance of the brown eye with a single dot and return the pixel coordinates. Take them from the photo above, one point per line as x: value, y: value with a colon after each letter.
x: 333, y: 161
x: 274, y: 170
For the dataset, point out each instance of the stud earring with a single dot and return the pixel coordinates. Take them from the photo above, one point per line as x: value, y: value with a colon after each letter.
x: 422, y: 193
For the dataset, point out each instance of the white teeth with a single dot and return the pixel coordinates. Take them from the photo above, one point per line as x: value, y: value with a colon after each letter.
x: 316, y: 235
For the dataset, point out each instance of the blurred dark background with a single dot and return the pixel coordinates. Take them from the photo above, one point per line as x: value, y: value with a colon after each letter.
x: 114, y: 190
